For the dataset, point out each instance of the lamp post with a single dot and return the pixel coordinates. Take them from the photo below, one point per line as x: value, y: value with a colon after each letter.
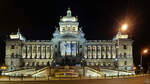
x: 3, y: 68
x: 145, y: 51
x: 123, y: 28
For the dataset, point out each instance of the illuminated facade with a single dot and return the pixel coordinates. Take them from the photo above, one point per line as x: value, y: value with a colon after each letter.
x: 69, y: 47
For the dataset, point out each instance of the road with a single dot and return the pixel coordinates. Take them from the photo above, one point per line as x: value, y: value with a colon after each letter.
x: 139, y: 80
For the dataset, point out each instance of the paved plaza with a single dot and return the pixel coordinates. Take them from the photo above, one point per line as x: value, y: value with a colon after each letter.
x: 108, y: 80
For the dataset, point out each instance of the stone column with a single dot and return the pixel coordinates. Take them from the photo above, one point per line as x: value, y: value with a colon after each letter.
x: 24, y: 52
x: 52, y: 51
x: 33, y: 51
x: 109, y: 51
x: 114, y: 52
x: 47, y: 52
x: 86, y: 52
x: 43, y: 51
x: 104, y: 51
x: 99, y: 52
x: 28, y: 51
x: 94, y: 51
x: 39, y: 50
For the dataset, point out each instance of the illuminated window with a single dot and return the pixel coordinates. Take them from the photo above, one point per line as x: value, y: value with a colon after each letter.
x: 73, y: 29
x: 63, y: 28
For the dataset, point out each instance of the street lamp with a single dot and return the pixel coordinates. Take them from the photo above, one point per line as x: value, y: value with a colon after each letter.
x: 124, y: 27
x: 145, y: 51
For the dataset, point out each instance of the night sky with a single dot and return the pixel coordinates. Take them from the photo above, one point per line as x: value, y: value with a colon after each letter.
x: 99, y: 20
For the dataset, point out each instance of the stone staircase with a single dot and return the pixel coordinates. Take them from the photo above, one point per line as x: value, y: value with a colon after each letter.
x: 66, y: 72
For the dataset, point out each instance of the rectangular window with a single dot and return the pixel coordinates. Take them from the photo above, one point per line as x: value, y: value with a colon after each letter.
x: 12, y: 47
x: 124, y: 46
x: 125, y: 62
x: 125, y: 55
x: 80, y: 46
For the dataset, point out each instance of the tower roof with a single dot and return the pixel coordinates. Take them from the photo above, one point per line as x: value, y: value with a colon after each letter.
x: 68, y: 17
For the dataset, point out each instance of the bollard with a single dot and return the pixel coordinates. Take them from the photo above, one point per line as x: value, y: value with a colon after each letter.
x: 35, y: 77
x: 9, y: 77
x: 48, y: 77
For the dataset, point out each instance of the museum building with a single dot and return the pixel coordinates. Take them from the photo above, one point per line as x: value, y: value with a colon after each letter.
x: 69, y: 47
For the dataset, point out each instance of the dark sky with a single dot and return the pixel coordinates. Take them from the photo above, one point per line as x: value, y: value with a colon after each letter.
x: 100, y: 19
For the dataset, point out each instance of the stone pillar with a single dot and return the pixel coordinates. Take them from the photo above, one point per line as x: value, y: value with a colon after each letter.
x: 109, y: 51
x: 52, y: 51
x: 104, y: 51
x: 33, y: 51
x: 43, y: 51
x: 47, y: 52
x: 85, y: 52
x: 39, y: 50
x: 28, y: 51
x: 114, y: 51
x: 89, y: 52
x: 94, y: 52
x: 99, y: 51
x: 24, y: 51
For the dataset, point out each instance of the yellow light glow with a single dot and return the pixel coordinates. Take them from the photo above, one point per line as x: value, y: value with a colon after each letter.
x: 3, y: 67
x: 124, y: 27
x: 134, y: 68
x: 145, y: 51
